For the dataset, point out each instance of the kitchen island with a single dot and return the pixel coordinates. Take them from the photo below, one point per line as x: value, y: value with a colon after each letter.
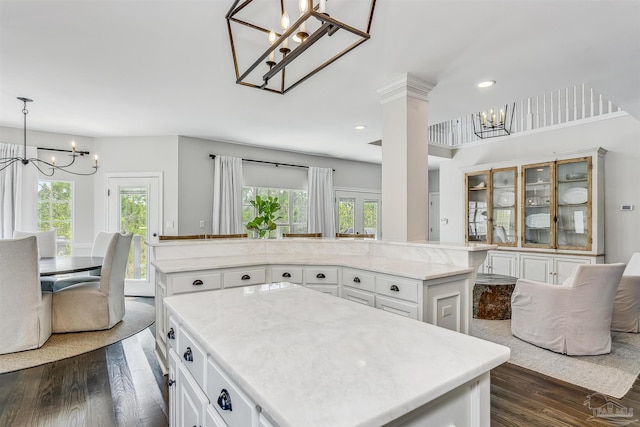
x: 283, y: 355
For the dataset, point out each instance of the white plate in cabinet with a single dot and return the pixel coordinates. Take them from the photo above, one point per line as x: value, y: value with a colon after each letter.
x: 232, y: 404
x: 244, y: 277
x: 197, y: 281
x: 358, y: 279
x: 191, y: 400
x: 397, y: 307
x: 361, y: 297
x: 321, y: 275
x: 193, y: 356
x: 286, y: 274
x: 395, y: 288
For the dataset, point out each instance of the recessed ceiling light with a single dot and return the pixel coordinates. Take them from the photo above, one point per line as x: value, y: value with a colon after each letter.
x: 360, y: 127
x: 487, y: 83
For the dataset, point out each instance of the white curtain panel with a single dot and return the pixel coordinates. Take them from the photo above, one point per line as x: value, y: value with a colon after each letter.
x: 227, y: 195
x: 321, y: 202
x: 18, y: 192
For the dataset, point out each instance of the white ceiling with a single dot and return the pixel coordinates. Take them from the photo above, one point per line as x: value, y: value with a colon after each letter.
x: 128, y: 68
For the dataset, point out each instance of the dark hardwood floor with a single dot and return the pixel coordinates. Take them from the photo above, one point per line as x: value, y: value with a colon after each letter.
x: 122, y: 385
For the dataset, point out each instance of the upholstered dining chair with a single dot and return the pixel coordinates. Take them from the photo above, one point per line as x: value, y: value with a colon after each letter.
x: 95, y: 305
x: 626, y: 308
x: 26, y: 310
x: 46, y: 241
x: 99, y: 249
x: 573, y: 318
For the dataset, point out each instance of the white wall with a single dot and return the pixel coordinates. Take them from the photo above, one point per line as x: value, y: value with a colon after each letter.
x: 83, y: 230
x: 620, y: 136
x: 195, y: 186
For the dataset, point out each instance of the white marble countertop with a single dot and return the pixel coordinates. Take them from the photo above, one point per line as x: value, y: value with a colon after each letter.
x: 411, y: 269
x: 309, y: 359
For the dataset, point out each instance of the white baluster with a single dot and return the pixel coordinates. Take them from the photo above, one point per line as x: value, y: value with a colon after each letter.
x: 591, y: 101
x: 551, y: 108
x: 566, y: 104
x: 600, y: 104
x: 575, y: 103
x: 583, y: 104
x: 610, y: 106
x: 544, y: 110
x: 537, y: 112
x: 559, y: 108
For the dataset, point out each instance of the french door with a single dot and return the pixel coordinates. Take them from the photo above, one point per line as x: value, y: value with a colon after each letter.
x: 358, y: 212
x: 134, y: 204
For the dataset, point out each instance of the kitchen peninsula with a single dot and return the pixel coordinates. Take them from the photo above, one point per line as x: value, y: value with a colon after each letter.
x: 282, y: 355
x: 429, y: 282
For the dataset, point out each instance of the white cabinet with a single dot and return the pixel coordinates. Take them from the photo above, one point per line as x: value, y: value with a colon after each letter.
x: 552, y: 269
x: 358, y: 296
x: 287, y: 273
x: 394, y: 306
x: 191, y: 401
x: 244, y: 276
x: 322, y: 278
x: 501, y: 262
x: 358, y: 286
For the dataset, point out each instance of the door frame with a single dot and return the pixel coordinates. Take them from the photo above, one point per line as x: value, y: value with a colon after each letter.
x: 360, y: 196
x: 139, y: 289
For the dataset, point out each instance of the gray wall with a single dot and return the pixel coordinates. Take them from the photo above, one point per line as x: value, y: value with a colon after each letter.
x: 195, y: 186
x: 620, y: 136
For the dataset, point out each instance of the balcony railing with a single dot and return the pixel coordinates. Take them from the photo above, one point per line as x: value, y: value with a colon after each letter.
x: 551, y: 109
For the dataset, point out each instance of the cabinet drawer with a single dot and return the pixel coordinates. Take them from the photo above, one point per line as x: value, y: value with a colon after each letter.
x: 325, y: 289
x: 198, y: 281
x: 231, y: 403
x: 192, y: 355
x: 361, y: 297
x: 172, y: 333
x: 397, y: 288
x: 327, y: 275
x: 244, y: 277
x: 286, y: 274
x: 356, y: 279
x: 397, y: 307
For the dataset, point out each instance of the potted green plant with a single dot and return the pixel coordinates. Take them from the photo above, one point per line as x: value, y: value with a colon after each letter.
x: 266, y: 215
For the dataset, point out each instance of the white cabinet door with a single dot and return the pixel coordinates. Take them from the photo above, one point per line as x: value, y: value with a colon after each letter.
x: 191, y: 401
x: 505, y: 263
x: 213, y: 418
x: 534, y: 267
x: 397, y: 307
x: 174, y: 361
x: 361, y: 297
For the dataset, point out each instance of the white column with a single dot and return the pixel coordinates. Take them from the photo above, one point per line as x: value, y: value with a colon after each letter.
x: 405, y: 150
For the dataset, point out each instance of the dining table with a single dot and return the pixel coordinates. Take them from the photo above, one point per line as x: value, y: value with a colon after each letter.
x: 55, y: 266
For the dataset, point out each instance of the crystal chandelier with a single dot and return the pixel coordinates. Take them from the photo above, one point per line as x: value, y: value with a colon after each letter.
x: 46, y: 168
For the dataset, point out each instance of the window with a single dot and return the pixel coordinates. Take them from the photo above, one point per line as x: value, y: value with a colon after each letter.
x: 293, y: 208
x: 55, y: 211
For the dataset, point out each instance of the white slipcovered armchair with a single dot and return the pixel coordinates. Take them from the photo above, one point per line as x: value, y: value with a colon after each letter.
x: 626, y: 308
x: 26, y: 310
x: 95, y: 305
x: 573, y: 318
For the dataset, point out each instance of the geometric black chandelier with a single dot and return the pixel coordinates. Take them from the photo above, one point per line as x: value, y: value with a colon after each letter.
x: 274, y: 54
x: 493, y: 124
x: 37, y: 163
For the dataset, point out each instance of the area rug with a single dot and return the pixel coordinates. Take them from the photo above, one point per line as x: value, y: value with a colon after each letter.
x: 138, y: 315
x: 611, y: 374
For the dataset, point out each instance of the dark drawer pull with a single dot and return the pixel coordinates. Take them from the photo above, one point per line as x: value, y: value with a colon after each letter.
x: 245, y: 277
x: 171, y: 334
x: 356, y: 279
x: 224, y: 400
x: 320, y: 276
x: 171, y: 382
x: 188, y: 355
x: 394, y: 288
x: 285, y: 274
x: 198, y: 282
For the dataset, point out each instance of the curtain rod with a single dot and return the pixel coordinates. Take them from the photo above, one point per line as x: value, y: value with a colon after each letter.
x: 213, y: 156
x: 78, y: 152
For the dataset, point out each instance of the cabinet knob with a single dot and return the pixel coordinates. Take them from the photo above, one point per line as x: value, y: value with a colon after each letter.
x: 285, y: 274
x: 171, y: 382
x: 224, y: 400
x: 197, y: 282
x: 171, y: 334
x: 320, y: 276
x: 188, y: 355
x: 245, y: 277
x: 356, y: 280
x: 394, y: 288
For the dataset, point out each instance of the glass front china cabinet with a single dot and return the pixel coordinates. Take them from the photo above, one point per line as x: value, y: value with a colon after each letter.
x: 492, y: 206
x: 557, y: 204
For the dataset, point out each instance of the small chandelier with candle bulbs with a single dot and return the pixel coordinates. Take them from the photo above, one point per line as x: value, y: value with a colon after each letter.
x: 272, y: 53
x: 46, y: 168
x: 495, y: 122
